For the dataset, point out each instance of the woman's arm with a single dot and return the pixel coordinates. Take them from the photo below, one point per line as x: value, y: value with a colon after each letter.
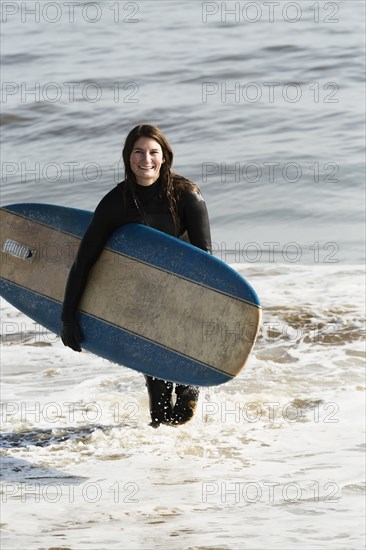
x: 101, y: 227
x: 196, y: 221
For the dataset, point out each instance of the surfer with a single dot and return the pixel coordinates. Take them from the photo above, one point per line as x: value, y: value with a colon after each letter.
x: 153, y: 195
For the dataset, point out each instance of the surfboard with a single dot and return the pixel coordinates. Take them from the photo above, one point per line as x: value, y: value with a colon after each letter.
x: 152, y: 303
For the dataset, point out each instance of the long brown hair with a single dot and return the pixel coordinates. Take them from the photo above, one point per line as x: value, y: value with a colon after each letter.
x: 171, y: 184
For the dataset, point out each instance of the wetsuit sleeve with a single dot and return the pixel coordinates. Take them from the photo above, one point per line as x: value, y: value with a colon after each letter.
x: 196, y: 221
x: 92, y: 244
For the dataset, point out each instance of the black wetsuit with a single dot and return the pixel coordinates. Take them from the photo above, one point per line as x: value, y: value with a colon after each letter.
x: 148, y: 207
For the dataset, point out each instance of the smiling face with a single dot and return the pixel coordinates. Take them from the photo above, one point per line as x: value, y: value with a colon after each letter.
x: 146, y: 159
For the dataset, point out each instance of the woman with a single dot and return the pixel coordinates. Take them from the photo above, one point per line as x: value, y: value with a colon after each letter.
x: 152, y: 195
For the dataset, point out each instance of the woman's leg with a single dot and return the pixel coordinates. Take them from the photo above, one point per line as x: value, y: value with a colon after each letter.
x: 160, y: 396
x: 185, y: 404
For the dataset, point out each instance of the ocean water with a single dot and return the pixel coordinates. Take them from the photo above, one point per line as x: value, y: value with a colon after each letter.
x: 263, y: 104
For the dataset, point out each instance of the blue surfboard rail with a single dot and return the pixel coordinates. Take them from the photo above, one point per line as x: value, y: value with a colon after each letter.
x: 109, y: 341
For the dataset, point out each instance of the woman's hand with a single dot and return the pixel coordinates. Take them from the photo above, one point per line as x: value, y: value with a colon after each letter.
x: 71, y: 335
